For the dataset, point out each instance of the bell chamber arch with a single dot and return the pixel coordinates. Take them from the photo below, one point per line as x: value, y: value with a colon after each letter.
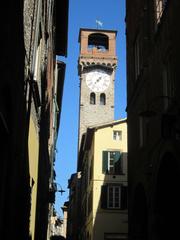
x: 99, y: 41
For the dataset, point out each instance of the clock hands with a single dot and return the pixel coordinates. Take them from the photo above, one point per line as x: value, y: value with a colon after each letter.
x: 97, y: 80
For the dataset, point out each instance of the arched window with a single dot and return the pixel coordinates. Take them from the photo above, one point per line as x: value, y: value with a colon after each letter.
x: 93, y: 98
x: 102, y: 99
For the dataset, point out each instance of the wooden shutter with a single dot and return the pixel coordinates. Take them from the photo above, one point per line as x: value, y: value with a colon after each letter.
x: 117, y: 162
x: 104, y: 196
x: 124, y: 197
x: 105, y: 162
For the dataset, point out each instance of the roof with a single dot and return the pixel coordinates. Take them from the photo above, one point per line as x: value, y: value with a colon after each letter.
x: 107, y: 124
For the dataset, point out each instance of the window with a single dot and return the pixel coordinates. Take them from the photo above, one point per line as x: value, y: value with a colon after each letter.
x: 114, y: 197
x: 112, y: 162
x: 93, y: 98
x: 102, y: 99
x: 160, y: 6
x: 117, y: 135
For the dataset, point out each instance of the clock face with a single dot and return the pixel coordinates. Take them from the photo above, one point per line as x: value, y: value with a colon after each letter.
x: 98, y: 80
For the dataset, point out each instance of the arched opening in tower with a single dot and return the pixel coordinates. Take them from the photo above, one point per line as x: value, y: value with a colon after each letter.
x: 99, y: 41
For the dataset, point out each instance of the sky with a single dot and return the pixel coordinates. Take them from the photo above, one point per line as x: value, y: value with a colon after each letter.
x: 83, y: 14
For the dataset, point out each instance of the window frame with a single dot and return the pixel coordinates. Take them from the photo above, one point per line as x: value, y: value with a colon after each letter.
x: 111, y: 161
x: 117, y: 137
x: 114, y: 199
x: 122, y: 197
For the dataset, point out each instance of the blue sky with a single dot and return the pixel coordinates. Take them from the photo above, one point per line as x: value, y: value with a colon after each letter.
x: 83, y: 14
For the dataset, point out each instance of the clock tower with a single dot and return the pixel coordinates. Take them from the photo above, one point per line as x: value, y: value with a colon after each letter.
x: 96, y: 67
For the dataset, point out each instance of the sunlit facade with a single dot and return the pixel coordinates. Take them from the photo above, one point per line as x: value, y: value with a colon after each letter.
x: 104, y: 182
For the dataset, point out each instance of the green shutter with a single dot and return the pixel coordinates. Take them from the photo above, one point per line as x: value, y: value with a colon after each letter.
x: 104, y: 196
x: 105, y: 162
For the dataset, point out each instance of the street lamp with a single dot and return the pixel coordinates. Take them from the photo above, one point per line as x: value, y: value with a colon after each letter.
x: 61, y: 190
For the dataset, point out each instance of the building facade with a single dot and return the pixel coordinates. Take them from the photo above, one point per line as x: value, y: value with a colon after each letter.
x: 153, y: 53
x: 14, y: 174
x: 34, y: 35
x: 103, y: 205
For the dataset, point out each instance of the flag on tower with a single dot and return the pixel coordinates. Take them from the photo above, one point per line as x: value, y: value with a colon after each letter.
x: 99, y: 23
